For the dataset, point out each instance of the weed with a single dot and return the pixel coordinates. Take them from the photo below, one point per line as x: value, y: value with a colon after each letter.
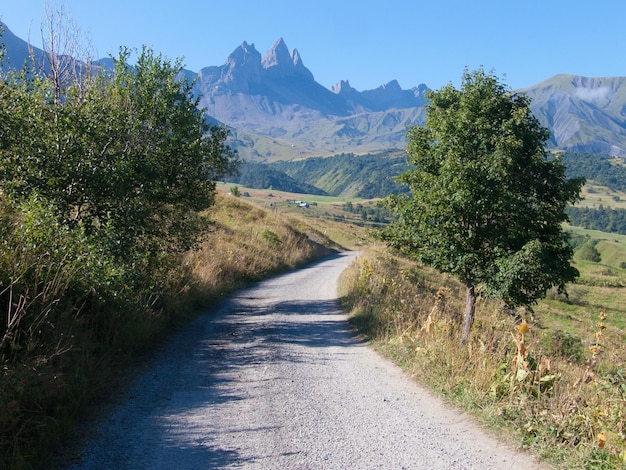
x: 71, y: 321
x: 542, y: 387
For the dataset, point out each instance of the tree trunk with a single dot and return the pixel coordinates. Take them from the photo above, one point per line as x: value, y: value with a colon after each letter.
x: 468, y: 316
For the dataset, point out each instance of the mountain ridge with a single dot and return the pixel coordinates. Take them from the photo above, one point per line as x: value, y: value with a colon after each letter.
x: 583, y: 114
x: 277, y: 111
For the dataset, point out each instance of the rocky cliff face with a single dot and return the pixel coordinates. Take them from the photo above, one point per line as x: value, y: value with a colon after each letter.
x: 277, y: 96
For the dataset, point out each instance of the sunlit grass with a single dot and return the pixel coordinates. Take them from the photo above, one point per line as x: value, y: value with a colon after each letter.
x: 46, y: 389
x: 595, y: 196
x: 554, y: 385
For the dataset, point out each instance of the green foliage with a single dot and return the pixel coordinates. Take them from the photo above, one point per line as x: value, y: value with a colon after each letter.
x: 563, y: 345
x: 110, y: 177
x: 127, y: 156
x: 365, y: 176
x: 605, y: 170
x: 102, y: 185
x: 374, y: 212
x: 603, y: 218
x: 486, y: 203
x: 265, y: 176
x: 588, y: 252
x: 270, y: 237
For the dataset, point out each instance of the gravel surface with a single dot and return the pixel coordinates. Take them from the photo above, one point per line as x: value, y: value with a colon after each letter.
x: 276, y: 379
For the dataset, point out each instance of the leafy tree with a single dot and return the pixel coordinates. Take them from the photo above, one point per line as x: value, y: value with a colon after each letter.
x: 127, y: 155
x: 486, y: 202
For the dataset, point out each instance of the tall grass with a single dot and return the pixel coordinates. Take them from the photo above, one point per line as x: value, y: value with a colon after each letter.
x: 558, y: 394
x: 72, y: 319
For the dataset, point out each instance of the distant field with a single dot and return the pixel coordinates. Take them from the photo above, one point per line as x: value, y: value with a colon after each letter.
x: 270, y: 195
x: 318, y: 206
x: 597, y: 234
x: 595, y: 195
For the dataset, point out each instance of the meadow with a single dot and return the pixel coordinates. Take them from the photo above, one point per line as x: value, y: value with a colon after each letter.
x: 551, y: 379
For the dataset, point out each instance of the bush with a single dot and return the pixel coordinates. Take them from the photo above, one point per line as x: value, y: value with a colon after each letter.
x: 103, y: 185
x: 563, y: 345
x: 588, y: 252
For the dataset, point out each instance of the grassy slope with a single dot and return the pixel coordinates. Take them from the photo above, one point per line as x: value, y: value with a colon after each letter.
x: 595, y: 196
x: 246, y: 243
x: 571, y: 395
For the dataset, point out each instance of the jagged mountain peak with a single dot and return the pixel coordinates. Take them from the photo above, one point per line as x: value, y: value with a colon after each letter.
x: 299, y: 65
x: 342, y: 87
x: 243, y: 54
x: 242, y: 67
x: 277, y: 56
x: 392, y: 86
x: 278, y: 62
x: 420, y: 89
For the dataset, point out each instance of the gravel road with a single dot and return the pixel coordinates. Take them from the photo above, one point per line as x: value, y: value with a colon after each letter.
x: 275, y: 379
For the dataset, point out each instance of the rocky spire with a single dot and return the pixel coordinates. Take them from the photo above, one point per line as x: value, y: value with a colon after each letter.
x: 278, y: 57
x: 342, y: 87
x: 279, y: 63
x: 243, y: 66
x: 298, y: 65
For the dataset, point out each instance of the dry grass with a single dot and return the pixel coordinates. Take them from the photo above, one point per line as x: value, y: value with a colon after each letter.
x: 76, y: 353
x: 247, y: 243
x: 561, y: 395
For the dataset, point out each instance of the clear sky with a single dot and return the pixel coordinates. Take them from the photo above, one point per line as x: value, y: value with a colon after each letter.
x: 366, y: 42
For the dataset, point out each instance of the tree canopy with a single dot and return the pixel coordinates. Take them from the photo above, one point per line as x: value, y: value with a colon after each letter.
x: 486, y: 201
x: 125, y: 153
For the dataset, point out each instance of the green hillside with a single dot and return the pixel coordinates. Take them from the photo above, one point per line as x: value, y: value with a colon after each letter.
x: 346, y: 175
x: 349, y: 175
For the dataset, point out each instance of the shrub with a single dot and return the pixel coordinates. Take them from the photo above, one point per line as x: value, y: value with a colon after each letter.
x: 588, y: 252
x: 564, y: 345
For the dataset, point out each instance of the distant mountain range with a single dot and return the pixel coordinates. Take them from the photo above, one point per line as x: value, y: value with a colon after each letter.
x: 279, y: 112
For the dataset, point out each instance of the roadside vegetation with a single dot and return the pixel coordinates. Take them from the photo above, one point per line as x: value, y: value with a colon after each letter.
x: 112, y: 233
x: 551, y: 380
x: 78, y: 334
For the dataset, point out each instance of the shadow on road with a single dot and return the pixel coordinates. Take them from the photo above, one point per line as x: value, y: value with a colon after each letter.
x: 185, y: 409
x: 233, y: 348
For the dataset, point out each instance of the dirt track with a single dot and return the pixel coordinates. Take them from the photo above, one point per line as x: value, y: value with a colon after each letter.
x: 277, y: 380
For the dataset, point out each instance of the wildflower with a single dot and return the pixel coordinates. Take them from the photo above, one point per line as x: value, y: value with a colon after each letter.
x: 523, y: 328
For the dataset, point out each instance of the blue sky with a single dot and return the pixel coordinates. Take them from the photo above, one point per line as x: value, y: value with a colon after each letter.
x: 367, y: 42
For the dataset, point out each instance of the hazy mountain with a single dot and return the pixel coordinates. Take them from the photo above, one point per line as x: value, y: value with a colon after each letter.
x: 276, y: 97
x: 279, y: 112
x: 17, y: 50
x: 583, y: 114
